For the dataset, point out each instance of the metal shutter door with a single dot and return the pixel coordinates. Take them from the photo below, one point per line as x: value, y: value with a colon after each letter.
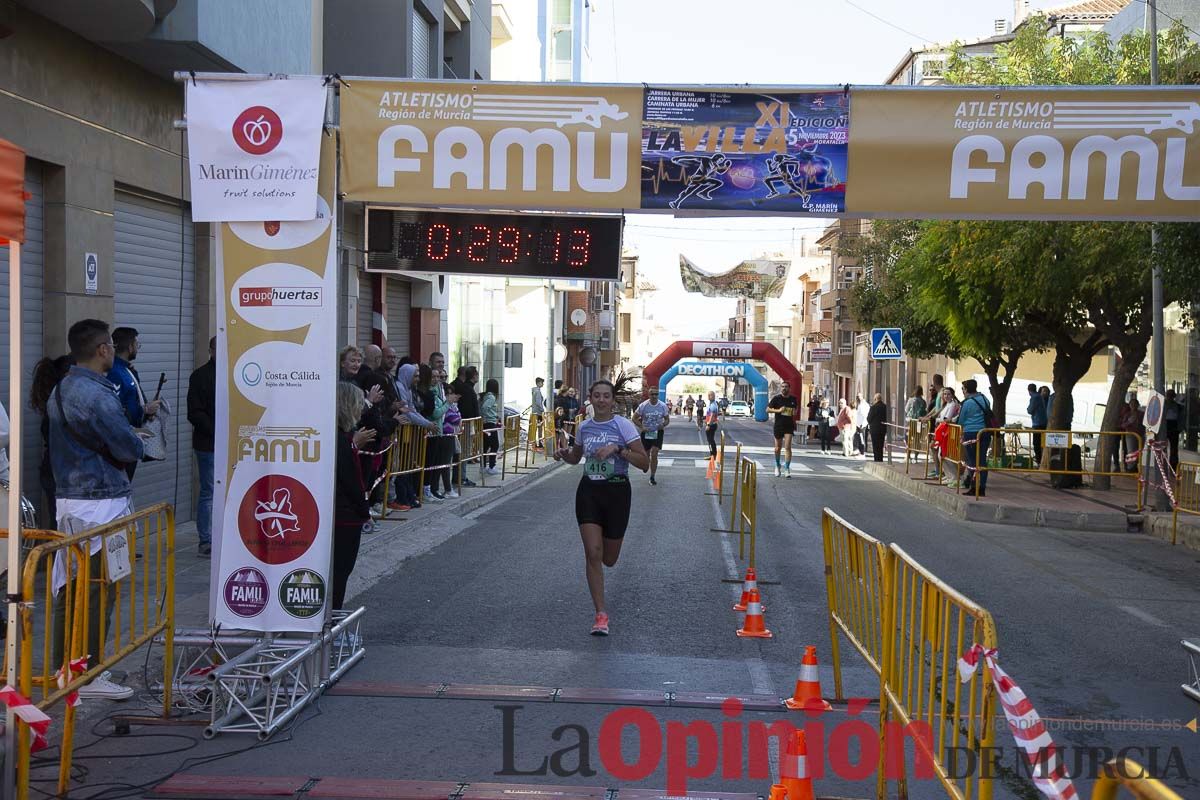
x: 31, y: 330
x: 155, y: 293
x: 422, y: 46
x: 399, y: 301
x: 363, y: 335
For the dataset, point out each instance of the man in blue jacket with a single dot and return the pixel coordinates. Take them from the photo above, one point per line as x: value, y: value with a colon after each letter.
x: 973, y: 415
x: 129, y: 386
x: 1039, y: 417
x: 91, y: 444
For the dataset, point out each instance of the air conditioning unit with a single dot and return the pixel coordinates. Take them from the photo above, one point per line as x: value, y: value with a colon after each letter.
x: 606, y: 320
x: 596, y: 302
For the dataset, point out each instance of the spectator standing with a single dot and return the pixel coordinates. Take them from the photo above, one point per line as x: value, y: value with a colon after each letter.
x: 845, y: 424
x: 202, y: 414
x: 91, y: 445
x: 1038, y: 418
x: 46, y: 375
x: 915, y: 408
x: 125, y: 377
x: 947, y: 415
x: 489, y: 411
x: 352, y: 508
x: 468, y: 403
x: 1172, y: 416
x: 877, y: 425
x: 537, y: 399
x: 824, y: 417
x: 974, y: 416
x: 408, y: 487
x: 861, y: 410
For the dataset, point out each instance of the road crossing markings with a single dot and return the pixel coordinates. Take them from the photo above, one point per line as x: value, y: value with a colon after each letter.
x: 844, y: 470
x: 666, y: 462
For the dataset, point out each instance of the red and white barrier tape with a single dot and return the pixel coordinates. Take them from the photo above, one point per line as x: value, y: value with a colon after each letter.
x: 1049, y: 774
x: 1159, y: 451
x: 30, y: 714
x: 77, y: 667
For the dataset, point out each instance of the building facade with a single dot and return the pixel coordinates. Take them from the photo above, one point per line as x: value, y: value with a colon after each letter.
x: 91, y: 98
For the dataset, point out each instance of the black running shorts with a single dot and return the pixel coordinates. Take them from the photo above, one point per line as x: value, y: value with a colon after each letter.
x: 604, y: 503
x: 784, y: 426
x: 655, y: 442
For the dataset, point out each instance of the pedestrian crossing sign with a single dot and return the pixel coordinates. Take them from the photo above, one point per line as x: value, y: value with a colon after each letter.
x: 887, y: 343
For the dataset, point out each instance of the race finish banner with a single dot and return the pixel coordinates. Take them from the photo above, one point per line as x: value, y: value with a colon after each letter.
x: 254, y: 148
x: 273, y: 498
x: 757, y: 279
x: 737, y: 150
x: 491, y: 145
x: 1026, y: 153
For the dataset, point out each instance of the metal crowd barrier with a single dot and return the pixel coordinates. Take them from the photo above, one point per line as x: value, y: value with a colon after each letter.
x: 142, y: 607
x: 916, y: 443
x: 407, y: 457
x: 1128, y: 774
x: 511, y: 443
x: 1009, y: 454
x: 911, y: 628
x: 470, y: 450
x: 747, y: 508
x: 854, y: 577
x: 1187, y: 494
x: 927, y: 625
x: 718, y: 472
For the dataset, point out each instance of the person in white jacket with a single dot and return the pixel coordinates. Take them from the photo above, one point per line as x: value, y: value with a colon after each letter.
x: 861, y: 409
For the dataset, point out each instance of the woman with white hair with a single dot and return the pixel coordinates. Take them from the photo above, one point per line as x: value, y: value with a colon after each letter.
x: 352, y: 509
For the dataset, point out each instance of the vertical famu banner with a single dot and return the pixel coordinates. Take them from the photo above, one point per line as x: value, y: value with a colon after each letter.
x: 276, y: 388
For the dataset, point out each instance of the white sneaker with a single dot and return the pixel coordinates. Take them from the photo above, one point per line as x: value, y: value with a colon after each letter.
x: 787, y: 471
x: 453, y: 493
x: 103, y: 688
x: 428, y: 493
x: 377, y: 511
x: 777, y: 472
x: 492, y: 470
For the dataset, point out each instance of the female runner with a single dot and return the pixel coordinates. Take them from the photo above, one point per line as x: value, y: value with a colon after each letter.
x: 607, y: 444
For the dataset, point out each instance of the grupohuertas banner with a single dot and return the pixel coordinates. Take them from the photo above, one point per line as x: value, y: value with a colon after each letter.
x: 254, y: 148
x: 757, y: 279
x: 276, y: 290
x: 1026, y: 153
x: 491, y: 145
x: 738, y: 150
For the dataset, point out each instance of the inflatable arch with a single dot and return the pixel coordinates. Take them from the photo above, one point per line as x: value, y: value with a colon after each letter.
x: 721, y: 369
x: 763, y: 351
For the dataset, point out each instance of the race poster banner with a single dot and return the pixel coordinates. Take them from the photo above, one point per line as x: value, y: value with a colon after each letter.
x: 757, y: 279
x: 273, y: 497
x: 1026, y: 153
x: 736, y: 150
x: 491, y: 145
x: 254, y: 148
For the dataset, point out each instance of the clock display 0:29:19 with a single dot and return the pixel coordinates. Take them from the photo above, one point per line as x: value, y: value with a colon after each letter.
x: 503, y: 243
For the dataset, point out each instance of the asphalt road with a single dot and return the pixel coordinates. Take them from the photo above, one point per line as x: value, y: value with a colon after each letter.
x: 1089, y: 625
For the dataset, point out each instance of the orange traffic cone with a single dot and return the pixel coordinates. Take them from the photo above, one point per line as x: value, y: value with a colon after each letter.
x: 778, y: 792
x: 708, y: 472
x: 750, y: 582
x: 807, y: 696
x: 793, y: 770
x: 754, y: 626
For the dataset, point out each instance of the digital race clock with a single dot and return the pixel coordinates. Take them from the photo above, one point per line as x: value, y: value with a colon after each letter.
x: 474, y: 243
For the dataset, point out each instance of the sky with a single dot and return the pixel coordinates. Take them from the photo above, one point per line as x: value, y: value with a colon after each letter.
x: 791, y: 42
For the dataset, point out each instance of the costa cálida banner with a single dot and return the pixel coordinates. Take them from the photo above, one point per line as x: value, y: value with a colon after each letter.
x: 762, y: 150
x: 273, y: 498
x: 254, y: 148
x: 1026, y: 153
x: 491, y: 145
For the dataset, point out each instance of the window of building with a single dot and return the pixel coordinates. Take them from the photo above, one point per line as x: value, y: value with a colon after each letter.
x: 626, y: 328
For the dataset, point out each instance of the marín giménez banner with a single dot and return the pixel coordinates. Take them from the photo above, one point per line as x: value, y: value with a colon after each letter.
x: 757, y: 279
x: 769, y: 151
x: 254, y: 149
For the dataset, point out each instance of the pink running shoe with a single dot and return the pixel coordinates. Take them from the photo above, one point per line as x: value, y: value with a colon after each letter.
x: 600, y: 627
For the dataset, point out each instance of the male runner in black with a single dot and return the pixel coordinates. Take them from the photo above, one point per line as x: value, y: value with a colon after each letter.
x: 783, y: 406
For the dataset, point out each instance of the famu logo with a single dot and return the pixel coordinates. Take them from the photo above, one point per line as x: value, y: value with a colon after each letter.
x: 309, y: 296
x: 1081, y: 139
x: 302, y: 593
x: 479, y: 157
x: 266, y: 444
x: 246, y: 592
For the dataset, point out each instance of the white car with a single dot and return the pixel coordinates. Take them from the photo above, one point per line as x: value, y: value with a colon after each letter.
x: 739, y: 408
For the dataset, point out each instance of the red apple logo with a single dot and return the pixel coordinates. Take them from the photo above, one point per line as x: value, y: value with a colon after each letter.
x: 271, y: 228
x: 258, y: 130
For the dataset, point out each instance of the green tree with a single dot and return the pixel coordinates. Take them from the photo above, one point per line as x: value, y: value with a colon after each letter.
x: 1082, y: 286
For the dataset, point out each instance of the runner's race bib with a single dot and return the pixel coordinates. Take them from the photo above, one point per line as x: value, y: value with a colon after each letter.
x: 598, y: 469
x: 651, y: 434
